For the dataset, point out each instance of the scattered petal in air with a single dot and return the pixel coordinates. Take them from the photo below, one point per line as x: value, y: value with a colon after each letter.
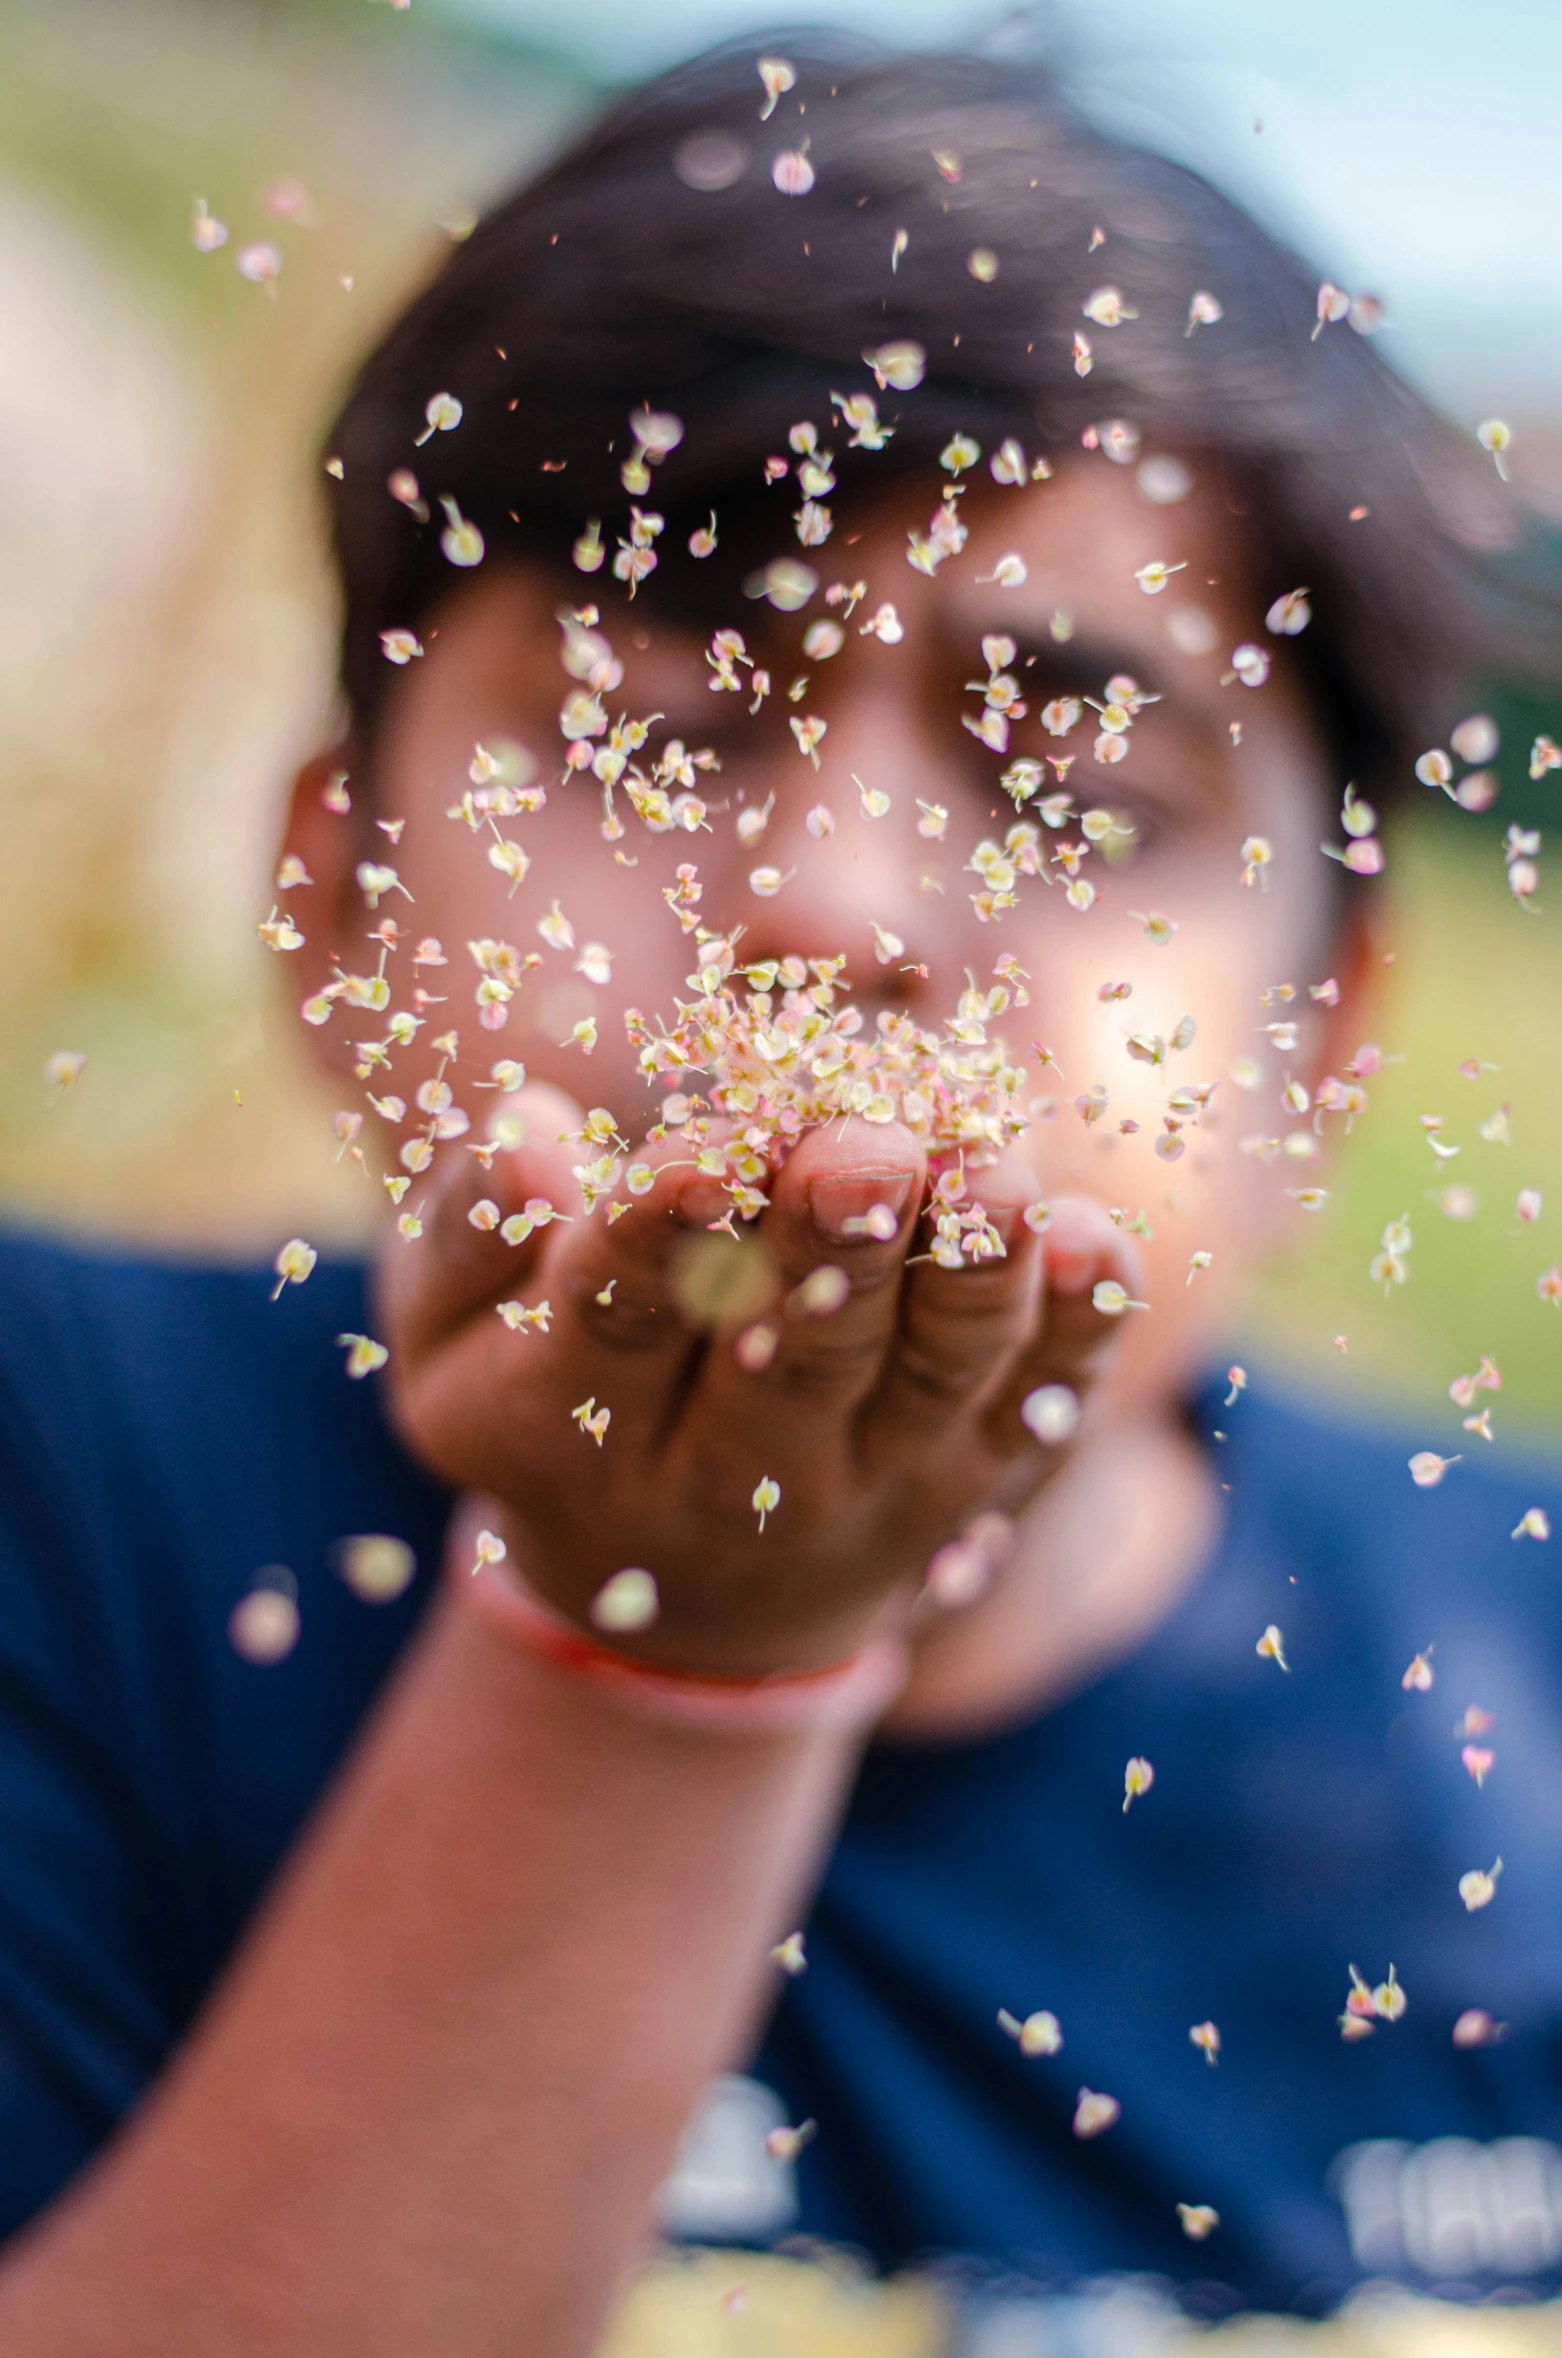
x: 556, y: 929
x: 785, y: 2145
x: 64, y: 1069
x: 260, y: 262
x: 778, y: 77
x: 789, y: 1955
x: 1138, y: 1777
x: 377, y: 1567
x: 766, y: 1498
x: 293, y: 1264
x: 1203, y: 311
x: 442, y: 414
x: 1037, y: 2034
x: 1093, y: 2113
x: 1477, y: 739
x: 823, y: 1291
x: 1475, y: 2028
x: 1478, y: 1888
x: 1289, y: 615
x: 1112, y: 1299
x: 1388, y: 1999
x: 1534, y: 1523
x: 1152, y: 578
x: 1272, y: 1647
x: 1163, y: 481
x: 279, y: 933
x: 627, y: 1602
x: 264, y: 1626
x: 364, y: 1355
x: 1427, y: 1468
x: 1199, y: 2220
x: 399, y: 646
x: 1333, y: 305
x: 1496, y: 435
x: 1052, y: 1412
x: 982, y: 263
x: 593, y: 1421
x: 461, y: 541
x: 901, y: 365
x: 1420, y: 1675
x: 207, y: 233
x: 784, y: 583
x: 1206, y: 2037
x: 1107, y: 308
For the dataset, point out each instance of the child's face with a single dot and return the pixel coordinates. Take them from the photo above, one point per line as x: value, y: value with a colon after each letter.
x: 1193, y: 792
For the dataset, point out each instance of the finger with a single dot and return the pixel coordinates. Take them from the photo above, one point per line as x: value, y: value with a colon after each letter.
x: 642, y: 1280
x: 962, y: 1328
x: 460, y: 1264
x: 1084, y: 1250
x: 846, y: 1200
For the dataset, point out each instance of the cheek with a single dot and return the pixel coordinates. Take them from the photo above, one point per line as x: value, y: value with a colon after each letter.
x: 1211, y: 1196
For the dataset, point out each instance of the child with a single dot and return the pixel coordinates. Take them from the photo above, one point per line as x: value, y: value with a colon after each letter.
x: 742, y: 1430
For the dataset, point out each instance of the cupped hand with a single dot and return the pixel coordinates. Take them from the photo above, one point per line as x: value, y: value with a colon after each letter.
x: 879, y: 1408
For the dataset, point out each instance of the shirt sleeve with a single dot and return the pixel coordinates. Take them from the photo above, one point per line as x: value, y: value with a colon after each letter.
x: 88, y: 2005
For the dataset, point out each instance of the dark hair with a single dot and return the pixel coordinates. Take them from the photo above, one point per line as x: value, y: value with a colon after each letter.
x: 656, y: 262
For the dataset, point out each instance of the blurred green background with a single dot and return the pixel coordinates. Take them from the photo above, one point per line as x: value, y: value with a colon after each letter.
x: 165, y: 647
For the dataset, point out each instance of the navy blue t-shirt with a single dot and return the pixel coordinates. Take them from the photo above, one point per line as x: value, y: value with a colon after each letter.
x: 167, y: 1432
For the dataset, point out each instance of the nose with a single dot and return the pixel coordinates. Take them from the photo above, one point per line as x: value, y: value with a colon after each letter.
x: 859, y: 878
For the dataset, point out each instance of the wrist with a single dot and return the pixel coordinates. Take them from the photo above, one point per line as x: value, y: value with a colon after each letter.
x: 848, y: 1687
x: 703, y: 1634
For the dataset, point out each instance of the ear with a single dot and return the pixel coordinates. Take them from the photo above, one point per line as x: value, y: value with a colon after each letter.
x: 325, y: 839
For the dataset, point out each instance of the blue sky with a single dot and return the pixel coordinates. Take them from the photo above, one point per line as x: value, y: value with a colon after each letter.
x: 1410, y: 146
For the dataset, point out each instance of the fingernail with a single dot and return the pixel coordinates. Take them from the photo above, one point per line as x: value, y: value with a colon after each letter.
x: 839, y: 1207
x: 701, y: 1202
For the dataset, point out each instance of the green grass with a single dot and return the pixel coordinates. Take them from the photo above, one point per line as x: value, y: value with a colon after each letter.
x: 1473, y: 976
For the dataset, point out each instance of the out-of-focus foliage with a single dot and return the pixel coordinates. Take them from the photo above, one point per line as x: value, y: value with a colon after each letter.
x: 165, y: 617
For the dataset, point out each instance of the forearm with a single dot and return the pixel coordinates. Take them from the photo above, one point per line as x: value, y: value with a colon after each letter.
x: 432, y: 2099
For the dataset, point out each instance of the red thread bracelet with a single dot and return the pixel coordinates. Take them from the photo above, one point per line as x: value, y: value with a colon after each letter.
x: 841, y: 1694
